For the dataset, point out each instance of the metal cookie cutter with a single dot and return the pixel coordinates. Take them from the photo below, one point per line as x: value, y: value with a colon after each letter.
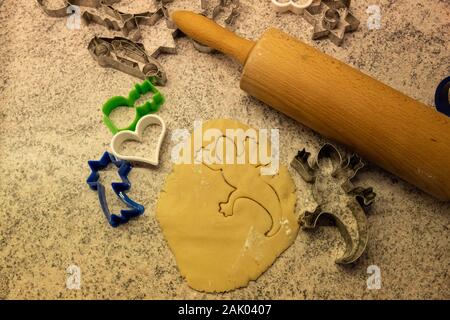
x: 163, y: 2
x: 442, y: 97
x: 132, y: 23
x: 125, y: 55
x: 128, y: 23
x: 149, y: 106
x: 131, y: 27
x: 230, y: 20
x: 295, y: 6
x: 104, y: 19
x: 337, y: 197
x: 332, y: 19
x: 119, y: 189
x: 176, y: 33
x: 162, y: 5
x: 66, y: 10
x: 56, y: 13
x: 127, y: 135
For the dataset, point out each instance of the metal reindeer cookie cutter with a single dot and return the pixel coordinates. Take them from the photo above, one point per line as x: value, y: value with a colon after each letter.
x: 150, y: 106
x: 337, y: 197
x: 294, y: 6
x: 128, y: 135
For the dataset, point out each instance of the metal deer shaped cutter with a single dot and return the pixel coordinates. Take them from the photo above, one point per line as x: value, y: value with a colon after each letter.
x: 337, y: 197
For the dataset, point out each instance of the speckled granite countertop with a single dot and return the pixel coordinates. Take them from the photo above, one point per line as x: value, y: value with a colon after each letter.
x: 51, y: 91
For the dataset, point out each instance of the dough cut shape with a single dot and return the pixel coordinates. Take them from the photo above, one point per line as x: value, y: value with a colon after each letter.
x: 226, y: 223
x: 238, y: 176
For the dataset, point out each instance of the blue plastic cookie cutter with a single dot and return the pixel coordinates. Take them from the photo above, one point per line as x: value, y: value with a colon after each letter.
x: 441, y: 97
x: 119, y: 188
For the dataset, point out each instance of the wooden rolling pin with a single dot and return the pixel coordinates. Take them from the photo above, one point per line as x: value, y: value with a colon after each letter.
x: 383, y: 125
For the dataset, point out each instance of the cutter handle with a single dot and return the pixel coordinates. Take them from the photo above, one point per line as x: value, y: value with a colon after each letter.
x: 209, y: 33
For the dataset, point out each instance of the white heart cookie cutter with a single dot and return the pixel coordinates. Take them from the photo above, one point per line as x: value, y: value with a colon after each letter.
x: 127, y: 135
x: 296, y: 7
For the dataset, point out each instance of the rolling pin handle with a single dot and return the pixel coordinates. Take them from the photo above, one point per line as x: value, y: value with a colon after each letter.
x: 209, y: 33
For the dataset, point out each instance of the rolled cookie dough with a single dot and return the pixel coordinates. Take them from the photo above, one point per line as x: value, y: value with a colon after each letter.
x: 217, y: 219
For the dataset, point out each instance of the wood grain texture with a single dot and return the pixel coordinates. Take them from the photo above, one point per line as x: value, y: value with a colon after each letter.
x: 212, y: 35
x: 385, y: 126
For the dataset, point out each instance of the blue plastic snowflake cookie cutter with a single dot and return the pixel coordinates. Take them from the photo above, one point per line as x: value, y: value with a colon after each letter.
x: 119, y: 188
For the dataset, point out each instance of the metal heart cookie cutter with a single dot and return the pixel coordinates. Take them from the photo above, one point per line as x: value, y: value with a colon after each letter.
x: 128, y: 135
x: 149, y: 106
x: 337, y: 197
x: 296, y: 6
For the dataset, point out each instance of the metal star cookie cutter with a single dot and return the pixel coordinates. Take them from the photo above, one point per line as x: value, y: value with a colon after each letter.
x: 229, y: 21
x: 127, y: 135
x: 295, y: 6
x: 337, y: 197
x: 176, y: 33
x: 150, y: 106
x: 119, y: 188
x: 332, y: 19
x: 125, y: 55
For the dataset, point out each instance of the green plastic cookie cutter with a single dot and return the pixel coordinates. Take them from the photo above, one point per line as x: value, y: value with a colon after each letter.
x: 150, y: 106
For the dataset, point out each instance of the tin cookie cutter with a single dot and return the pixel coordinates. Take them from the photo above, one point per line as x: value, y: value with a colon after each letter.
x: 337, y: 197
x: 127, y: 23
x: 175, y: 33
x: 294, y: 6
x: 125, y: 55
x: 147, y: 107
x: 121, y: 53
x: 67, y: 9
x: 217, y: 10
x: 119, y: 188
x: 132, y: 28
x: 128, y: 135
x: 332, y: 19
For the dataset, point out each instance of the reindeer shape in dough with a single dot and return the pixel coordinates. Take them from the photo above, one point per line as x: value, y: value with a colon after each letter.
x: 246, y: 180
